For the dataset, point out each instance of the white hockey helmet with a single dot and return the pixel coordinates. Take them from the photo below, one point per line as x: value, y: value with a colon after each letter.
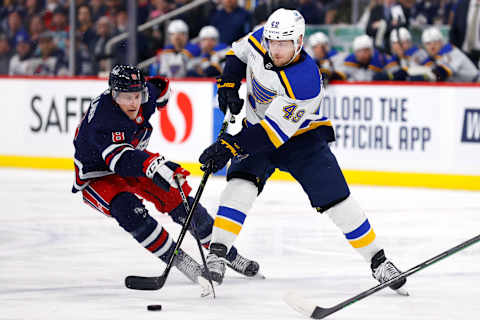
x: 177, y: 26
x: 362, y: 42
x: 401, y: 34
x: 285, y: 24
x: 318, y: 38
x: 208, y: 32
x: 432, y: 34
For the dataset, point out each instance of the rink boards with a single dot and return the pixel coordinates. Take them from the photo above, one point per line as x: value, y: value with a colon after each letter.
x: 409, y: 135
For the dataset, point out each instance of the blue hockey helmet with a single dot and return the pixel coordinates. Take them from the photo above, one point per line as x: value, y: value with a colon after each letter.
x: 126, y: 78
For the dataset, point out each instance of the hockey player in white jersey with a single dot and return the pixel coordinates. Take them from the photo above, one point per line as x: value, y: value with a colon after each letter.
x: 174, y: 59
x: 282, y: 129
x: 447, y: 62
x: 405, y: 62
x: 326, y: 57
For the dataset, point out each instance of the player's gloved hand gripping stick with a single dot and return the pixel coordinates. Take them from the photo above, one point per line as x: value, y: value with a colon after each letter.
x: 156, y: 283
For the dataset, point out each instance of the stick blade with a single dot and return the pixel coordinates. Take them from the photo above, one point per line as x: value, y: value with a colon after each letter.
x: 299, y: 304
x: 144, y: 283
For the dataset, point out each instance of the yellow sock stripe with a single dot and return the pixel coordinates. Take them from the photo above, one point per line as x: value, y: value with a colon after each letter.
x: 271, y: 134
x: 287, y: 84
x: 364, y: 241
x: 227, y: 225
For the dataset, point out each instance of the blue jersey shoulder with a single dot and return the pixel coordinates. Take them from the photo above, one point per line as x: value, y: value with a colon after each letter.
x: 219, y: 47
x: 445, y: 49
x: 410, y: 51
x: 302, y: 80
x: 193, y: 49
x: 378, y: 60
x: 258, y: 34
x: 331, y: 53
x: 351, y: 59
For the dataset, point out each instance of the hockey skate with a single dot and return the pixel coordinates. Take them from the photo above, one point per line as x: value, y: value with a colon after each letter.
x: 188, y: 266
x: 383, y: 270
x: 216, y: 262
x: 246, y: 267
x: 193, y: 271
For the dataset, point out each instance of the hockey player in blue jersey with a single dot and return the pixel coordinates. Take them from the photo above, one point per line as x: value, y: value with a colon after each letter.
x: 114, y: 170
x: 282, y: 129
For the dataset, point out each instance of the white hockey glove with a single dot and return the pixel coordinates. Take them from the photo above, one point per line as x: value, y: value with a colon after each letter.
x: 163, y: 85
x: 162, y: 172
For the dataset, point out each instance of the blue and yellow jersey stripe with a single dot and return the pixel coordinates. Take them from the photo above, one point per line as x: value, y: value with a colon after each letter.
x: 274, y: 133
x: 313, y: 124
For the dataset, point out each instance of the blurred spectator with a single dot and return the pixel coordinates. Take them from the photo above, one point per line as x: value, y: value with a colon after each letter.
x: 159, y: 7
x: 385, y: 17
x: 172, y: 61
x: 447, y: 11
x: 84, y: 62
x: 59, y: 27
x: 363, y: 64
x: 447, y: 62
x: 120, y: 49
x: 232, y: 21
x: 85, y: 30
x: 465, y: 30
x: 98, y: 9
x: 36, y: 28
x: 143, y: 11
x: 14, y: 27
x: 19, y: 62
x: 51, y: 61
x: 195, y: 18
x: 33, y: 7
x: 121, y: 20
x: 112, y: 7
x: 311, y: 11
x: 337, y: 11
x: 52, y: 5
x: 425, y: 12
x: 103, y: 33
x: 365, y: 18
x: 5, y: 54
x: 327, y: 59
x: 212, y: 55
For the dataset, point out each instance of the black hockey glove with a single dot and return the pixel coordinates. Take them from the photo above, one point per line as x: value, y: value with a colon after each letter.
x: 228, y: 95
x: 163, y: 86
x: 217, y: 155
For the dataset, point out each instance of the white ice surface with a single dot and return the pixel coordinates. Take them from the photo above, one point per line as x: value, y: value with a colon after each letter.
x: 59, y: 259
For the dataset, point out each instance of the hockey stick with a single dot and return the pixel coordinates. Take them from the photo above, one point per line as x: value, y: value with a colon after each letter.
x: 315, y: 312
x: 187, y: 210
x: 156, y: 283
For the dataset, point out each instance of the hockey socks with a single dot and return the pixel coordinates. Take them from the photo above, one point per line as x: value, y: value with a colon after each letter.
x: 350, y: 219
x: 235, y: 202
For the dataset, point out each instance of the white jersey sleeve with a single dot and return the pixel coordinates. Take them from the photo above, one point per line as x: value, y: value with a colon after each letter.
x: 241, y: 47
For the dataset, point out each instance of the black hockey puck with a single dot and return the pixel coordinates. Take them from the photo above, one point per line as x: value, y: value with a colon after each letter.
x: 154, y: 307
